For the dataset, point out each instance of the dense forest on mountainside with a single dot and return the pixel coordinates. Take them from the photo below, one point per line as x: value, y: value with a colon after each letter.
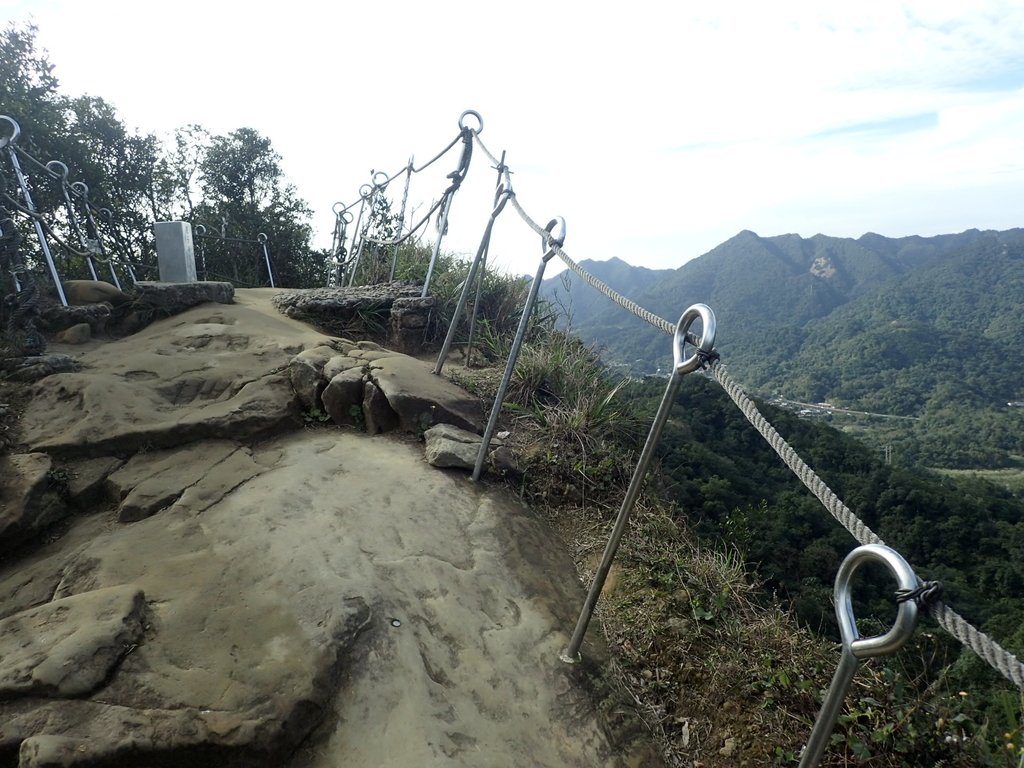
x: 730, y: 486
x: 923, y: 327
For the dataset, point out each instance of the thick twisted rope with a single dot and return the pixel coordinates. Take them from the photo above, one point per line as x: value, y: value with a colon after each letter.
x: 1005, y: 662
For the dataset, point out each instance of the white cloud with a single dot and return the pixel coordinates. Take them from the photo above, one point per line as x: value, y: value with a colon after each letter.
x: 595, y: 105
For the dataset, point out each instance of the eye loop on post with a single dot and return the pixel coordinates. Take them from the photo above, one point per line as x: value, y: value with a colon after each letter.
x: 906, y: 615
x: 473, y: 113
x: 334, y: 208
x: 62, y: 173
x: 200, y: 230
x: 15, y: 131
x: 705, y: 345
x: 554, y: 238
x: 365, y: 191
x: 261, y: 238
x: 81, y: 188
x: 380, y: 184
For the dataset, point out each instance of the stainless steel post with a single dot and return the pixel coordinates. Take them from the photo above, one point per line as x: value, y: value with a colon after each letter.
x: 96, y: 244
x: 442, y: 228
x: 501, y: 197
x: 401, y: 219
x: 682, y: 366
x: 457, y: 176
x: 371, y: 197
x: 262, y: 240
x: 365, y: 192
x: 9, y: 141
x: 555, y: 238
x: 854, y: 647
x: 60, y: 170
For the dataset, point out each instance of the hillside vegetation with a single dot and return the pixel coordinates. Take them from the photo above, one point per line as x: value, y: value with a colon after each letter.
x: 921, y: 327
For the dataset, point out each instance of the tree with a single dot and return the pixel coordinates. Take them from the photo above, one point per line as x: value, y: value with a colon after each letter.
x: 244, y: 194
x: 234, y: 183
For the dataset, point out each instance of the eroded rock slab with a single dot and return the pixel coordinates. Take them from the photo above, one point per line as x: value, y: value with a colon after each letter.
x: 215, y: 371
x: 422, y: 399
x: 68, y: 647
x: 150, y: 482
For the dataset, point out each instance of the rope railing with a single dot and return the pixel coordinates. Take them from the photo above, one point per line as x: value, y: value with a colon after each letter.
x: 347, y: 259
x: 203, y: 232
x: 1000, y: 659
x: 92, y: 249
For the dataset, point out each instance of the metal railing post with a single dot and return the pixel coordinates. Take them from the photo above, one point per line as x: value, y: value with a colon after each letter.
x: 854, y: 647
x: 60, y: 171
x: 81, y: 189
x: 8, y: 142
x: 262, y: 240
x: 682, y: 366
x: 401, y: 219
x: 501, y: 196
x: 374, y: 190
x: 457, y: 176
x: 555, y: 238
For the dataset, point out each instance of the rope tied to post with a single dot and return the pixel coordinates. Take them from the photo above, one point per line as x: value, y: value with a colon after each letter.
x: 926, y: 593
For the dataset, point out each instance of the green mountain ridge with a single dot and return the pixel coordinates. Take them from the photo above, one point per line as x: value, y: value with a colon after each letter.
x: 928, y: 327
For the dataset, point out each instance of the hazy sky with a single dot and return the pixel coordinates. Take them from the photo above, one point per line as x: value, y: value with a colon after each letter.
x: 656, y: 129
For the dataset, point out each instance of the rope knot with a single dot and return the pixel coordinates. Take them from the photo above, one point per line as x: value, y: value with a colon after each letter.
x: 924, y: 594
x: 707, y: 359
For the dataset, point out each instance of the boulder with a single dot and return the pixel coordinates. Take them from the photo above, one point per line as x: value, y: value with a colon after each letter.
x: 305, y: 371
x: 82, y: 292
x: 448, y: 446
x: 76, y: 334
x: 422, y: 399
x: 343, y: 397
x: 67, y: 647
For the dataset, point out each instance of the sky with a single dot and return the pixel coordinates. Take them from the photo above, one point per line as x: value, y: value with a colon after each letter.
x: 657, y: 130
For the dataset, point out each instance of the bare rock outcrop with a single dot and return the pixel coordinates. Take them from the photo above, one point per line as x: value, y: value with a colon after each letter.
x: 309, y: 599
x: 67, y: 647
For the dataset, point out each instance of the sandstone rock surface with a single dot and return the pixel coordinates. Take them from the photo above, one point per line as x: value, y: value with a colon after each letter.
x: 310, y: 599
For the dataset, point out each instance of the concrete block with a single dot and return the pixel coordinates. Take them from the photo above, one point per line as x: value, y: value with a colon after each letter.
x: 174, y: 250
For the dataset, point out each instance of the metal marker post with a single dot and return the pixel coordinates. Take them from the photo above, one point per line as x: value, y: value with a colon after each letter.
x: 501, y: 196
x: 856, y: 648
x: 364, y: 194
x: 8, y: 141
x: 554, y: 239
x: 681, y: 367
x: 262, y: 240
